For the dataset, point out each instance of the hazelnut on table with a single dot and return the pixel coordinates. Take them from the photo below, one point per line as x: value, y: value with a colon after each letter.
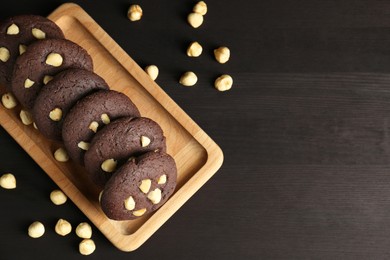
x: 222, y: 54
x: 84, y: 230
x: 223, y: 82
x: 195, y: 19
x: 152, y: 71
x: 188, y: 79
x: 134, y: 13
x: 194, y: 49
x: 63, y: 227
x: 87, y: 247
x: 200, y: 8
x: 58, y: 197
x: 8, y: 181
x: 36, y: 229
x: 61, y: 155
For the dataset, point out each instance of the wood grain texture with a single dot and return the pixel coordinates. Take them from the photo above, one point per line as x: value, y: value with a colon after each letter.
x: 197, y: 156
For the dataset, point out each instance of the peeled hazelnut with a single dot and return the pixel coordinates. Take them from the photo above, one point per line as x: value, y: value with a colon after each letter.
x: 56, y: 114
x: 28, y: 83
x: 93, y: 126
x: 36, y: 229
x: 84, y: 230
x: 129, y: 203
x: 139, y: 212
x: 58, y: 197
x: 8, y: 181
x: 134, y: 13
x: 22, y: 49
x: 223, y: 82
x: 222, y: 54
x: 162, y: 179
x: 83, y: 145
x: 9, y: 101
x: 54, y: 59
x: 105, y: 119
x: 39, y: 34
x: 145, y: 185
x: 200, y: 8
x: 63, y: 227
x: 194, y: 50
x: 188, y: 79
x: 87, y: 246
x: 155, y: 196
x: 61, y: 155
x: 145, y: 141
x: 195, y: 19
x: 109, y: 165
x: 26, y: 117
x: 12, y: 29
x: 152, y: 71
x: 4, y: 54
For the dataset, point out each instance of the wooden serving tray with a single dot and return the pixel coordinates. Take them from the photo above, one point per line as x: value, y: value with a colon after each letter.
x: 196, y: 155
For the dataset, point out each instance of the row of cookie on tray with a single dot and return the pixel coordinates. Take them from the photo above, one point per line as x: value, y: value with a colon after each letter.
x: 123, y: 153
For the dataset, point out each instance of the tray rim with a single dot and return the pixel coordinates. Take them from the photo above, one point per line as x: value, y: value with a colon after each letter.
x: 209, y: 168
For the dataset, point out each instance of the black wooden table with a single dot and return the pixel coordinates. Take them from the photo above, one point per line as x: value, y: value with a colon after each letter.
x: 305, y: 132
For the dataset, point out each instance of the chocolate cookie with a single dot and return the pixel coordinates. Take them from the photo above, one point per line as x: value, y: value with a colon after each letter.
x: 16, y: 33
x: 89, y: 115
x: 42, y: 60
x: 117, y: 142
x: 140, y: 186
x: 59, y: 95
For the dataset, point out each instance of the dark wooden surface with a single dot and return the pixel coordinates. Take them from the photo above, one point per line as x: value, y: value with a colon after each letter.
x: 305, y: 132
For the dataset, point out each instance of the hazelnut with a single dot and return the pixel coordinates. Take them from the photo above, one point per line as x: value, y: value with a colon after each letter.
x: 83, y: 145
x: 162, y: 179
x: 129, y: 203
x: 155, y: 196
x: 195, y: 19
x: 188, y: 79
x: 194, y: 50
x: 145, y: 185
x: 39, y: 34
x: 28, y: 83
x: 58, y: 197
x: 139, y: 212
x: 63, y: 227
x: 9, y: 101
x: 56, y: 114
x: 200, y: 8
x: 223, y: 82
x: 8, y: 181
x: 26, y: 117
x: 54, y: 59
x: 4, y: 54
x: 222, y: 54
x: 134, y: 13
x: 46, y: 79
x: 84, y: 230
x: 22, y: 49
x: 145, y: 141
x: 87, y: 246
x: 36, y: 229
x: 152, y: 71
x: 13, y: 29
x: 105, y: 119
x: 61, y: 155
x: 93, y: 126
x: 109, y: 165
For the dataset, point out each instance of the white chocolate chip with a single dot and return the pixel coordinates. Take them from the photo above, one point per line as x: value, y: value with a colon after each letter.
x: 162, y: 179
x: 36, y: 229
x: 87, y: 246
x: 129, y: 203
x: 152, y: 71
x: 63, y: 227
x: 200, y: 8
x: 26, y: 117
x: 83, y: 145
x: 35, y: 125
x: 93, y: 126
x: 155, y: 196
x: 9, y: 101
x: 54, y: 59
x: 105, y: 119
x: 28, y: 83
x: 145, y: 185
x: 61, y: 155
x: 222, y: 54
x: 134, y: 13
x: 223, y: 83
x: 8, y: 181
x: 13, y: 29
x: 195, y: 19
x: 145, y: 141
x: 56, y: 114
x: 39, y: 34
x: 109, y: 165
x: 188, y: 79
x: 194, y: 50
x: 84, y: 230
x: 4, y: 54
x: 22, y: 49
x: 46, y: 79
x: 100, y: 196
x: 58, y: 197
x: 139, y: 212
